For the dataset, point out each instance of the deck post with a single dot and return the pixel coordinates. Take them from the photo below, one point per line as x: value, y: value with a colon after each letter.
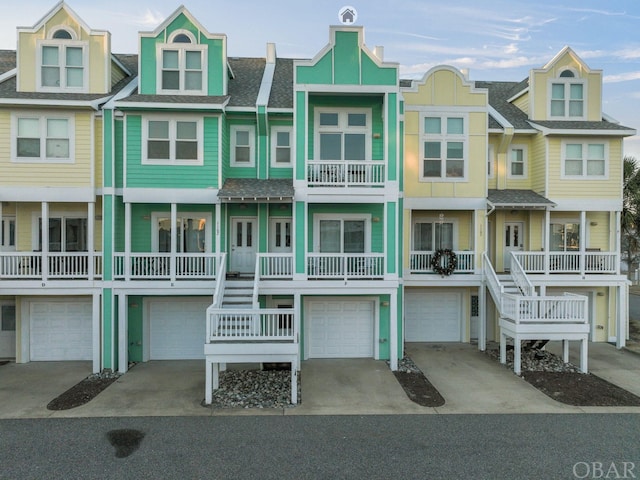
x: 503, y: 348
x: 517, y: 352
x: 583, y: 354
x: 294, y: 382
x: 565, y: 350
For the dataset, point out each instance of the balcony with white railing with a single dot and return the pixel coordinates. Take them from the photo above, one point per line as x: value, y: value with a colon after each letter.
x: 348, y: 266
x: 420, y: 262
x: 571, y: 262
x: 251, y: 325
x: 275, y: 266
x: 51, y: 265
x: 344, y: 173
x: 164, y: 266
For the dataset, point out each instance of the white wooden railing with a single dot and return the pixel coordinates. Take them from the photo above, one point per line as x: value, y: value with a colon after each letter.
x: 218, y: 293
x: 347, y: 265
x: 520, y: 277
x: 568, y: 308
x: 420, y: 261
x: 275, y: 324
x: 568, y: 262
x: 158, y: 266
x: 275, y: 265
x: 345, y: 173
x: 496, y: 289
x: 59, y: 265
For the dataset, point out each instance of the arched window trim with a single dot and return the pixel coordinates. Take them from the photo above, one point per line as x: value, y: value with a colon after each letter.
x: 187, y: 33
x: 64, y: 28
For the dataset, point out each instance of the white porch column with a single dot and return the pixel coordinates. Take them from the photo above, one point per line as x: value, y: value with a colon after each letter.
x: 45, y: 242
x: 218, y: 239
x: 393, y: 331
x: 174, y: 241
x: 622, y: 314
x: 482, y: 310
x: 127, y: 241
x: 91, y: 226
x: 2, y: 227
x: 545, y: 240
x: 294, y: 382
x: 123, y: 333
x: 582, y: 239
x: 618, y: 236
x: 96, y: 331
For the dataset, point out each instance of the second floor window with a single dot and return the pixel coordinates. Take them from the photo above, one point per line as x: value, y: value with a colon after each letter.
x: 444, y: 147
x: 431, y: 236
x: 517, y: 162
x: 281, y: 146
x: 242, y: 150
x: 343, y: 134
x: 173, y: 141
x: 43, y: 138
x: 62, y: 62
x: 584, y: 159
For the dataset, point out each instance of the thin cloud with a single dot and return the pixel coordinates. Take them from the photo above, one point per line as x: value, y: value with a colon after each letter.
x: 622, y: 77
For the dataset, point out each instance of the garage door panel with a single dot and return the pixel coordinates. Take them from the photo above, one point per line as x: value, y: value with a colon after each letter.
x: 433, y: 316
x: 177, y: 328
x: 340, y: 328
x: 60, y: 330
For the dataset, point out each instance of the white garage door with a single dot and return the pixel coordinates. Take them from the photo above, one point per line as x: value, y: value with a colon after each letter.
x: 60, y: 329
x: 340, y: 328
x: 433, y: 316
x: 177, y: 328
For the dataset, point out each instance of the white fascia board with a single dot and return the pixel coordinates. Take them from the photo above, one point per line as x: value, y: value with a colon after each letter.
x: 583, y: 132
x: 115, y: 60
x: 444, y: 203
x: 123, y: 93
x: 170, y: 106
x: 265, y: 85
x: 593, y: 204
x: 7, y: 75
x: 518, y: 95
x: 171, y: 195
x: 504, y: 123
x: 242, y: 109
x: 47, y: 194
x: 93, y: 104
x: 354, y: 89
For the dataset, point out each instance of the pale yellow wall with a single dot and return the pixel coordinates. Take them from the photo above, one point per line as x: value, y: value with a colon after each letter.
x: 98, y: 151
x: 43, y: 174
x: 537, y: 157
x: 444, y: 88
x: 609, y: 188
x: 26, y: 225
x: 522, y: 102
x: 540, y: 81
x: 98, y: 52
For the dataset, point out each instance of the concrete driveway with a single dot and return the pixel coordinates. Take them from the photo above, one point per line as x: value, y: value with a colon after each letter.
x: 470, y: 382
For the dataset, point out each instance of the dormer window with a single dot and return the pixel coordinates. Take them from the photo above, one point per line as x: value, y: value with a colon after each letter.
x: 567, y: 96
x: 182, y: 65
x: 62, y: 62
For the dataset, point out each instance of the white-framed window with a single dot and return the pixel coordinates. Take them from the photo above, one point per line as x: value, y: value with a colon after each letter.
x: 343, y: 134
x: 564, y: 235
x: 518, y: 164
x: 348, y: 233
x: 490, y: 162
x: 444, y: 147
x: 68, y: 232
x: 430, y: 234
x: 566, y: 99
x: 585, y: 159
x: 175, y: 140
x: 281, y: 146
x: 62, y: 62
x: 193, y: 232
x: 243, y: 139
x: 182, y: 65
x: 39, y: 138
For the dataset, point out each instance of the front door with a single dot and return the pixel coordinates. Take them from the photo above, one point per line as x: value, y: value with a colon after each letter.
x: 244, y: 238
x: 8, y: 234
x: 7, y: 330
x: 513, y: 241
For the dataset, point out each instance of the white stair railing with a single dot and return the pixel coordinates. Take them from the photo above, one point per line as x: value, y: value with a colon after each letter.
x: 496, y: 289
x: 520, y: 278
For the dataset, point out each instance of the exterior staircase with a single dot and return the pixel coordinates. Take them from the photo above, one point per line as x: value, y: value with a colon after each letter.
x: 237, y: 296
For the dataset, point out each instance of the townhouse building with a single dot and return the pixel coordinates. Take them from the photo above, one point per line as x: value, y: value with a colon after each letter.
x: 201, y: 206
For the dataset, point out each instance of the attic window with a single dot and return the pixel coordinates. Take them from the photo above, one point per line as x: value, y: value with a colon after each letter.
x: 62, y: 35
x: 181, y: 38
x: 567, y: 74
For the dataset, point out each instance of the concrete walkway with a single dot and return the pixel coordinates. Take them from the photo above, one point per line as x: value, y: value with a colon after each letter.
x: 469, y: 380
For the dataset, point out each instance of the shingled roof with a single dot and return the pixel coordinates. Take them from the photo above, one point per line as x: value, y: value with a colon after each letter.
x: 513, y: 198
x: 247, y: 189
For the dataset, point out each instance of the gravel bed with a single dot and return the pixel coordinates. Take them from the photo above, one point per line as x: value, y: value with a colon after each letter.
x: 406, y: 365
x: 254, y: 389
x: 536, y: 361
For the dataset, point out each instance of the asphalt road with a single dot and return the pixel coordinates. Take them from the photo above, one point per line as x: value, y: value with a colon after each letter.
x: 298, y: 447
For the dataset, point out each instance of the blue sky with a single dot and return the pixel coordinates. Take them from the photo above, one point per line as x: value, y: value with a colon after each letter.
x: 495, y: 40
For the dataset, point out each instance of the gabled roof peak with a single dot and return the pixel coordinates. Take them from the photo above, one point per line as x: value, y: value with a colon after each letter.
x: 177, y: 12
